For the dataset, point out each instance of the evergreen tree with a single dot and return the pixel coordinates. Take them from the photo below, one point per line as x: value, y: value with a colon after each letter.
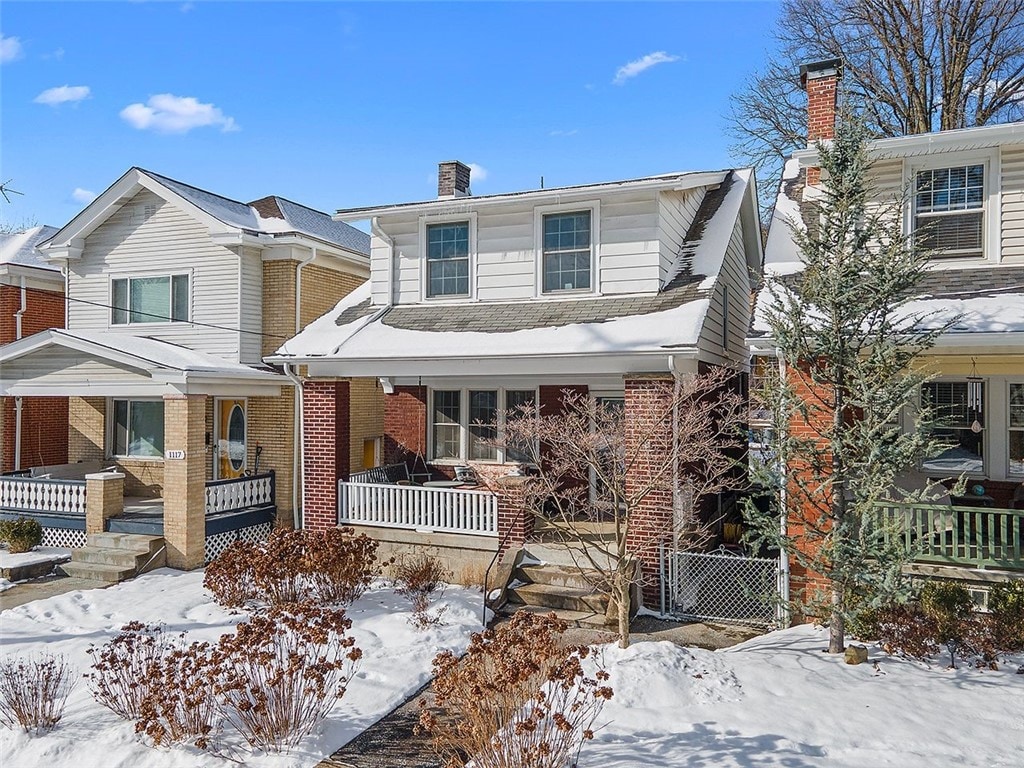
x: 847, y: 341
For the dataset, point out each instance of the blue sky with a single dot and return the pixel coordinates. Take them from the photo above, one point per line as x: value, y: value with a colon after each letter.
x: 340, y: 105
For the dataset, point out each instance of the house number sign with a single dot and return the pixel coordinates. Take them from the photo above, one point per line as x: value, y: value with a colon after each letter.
x: 175, y: 455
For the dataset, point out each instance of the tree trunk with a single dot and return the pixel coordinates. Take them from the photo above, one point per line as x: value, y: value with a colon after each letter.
x: 620, y: 594
x: 837, y: 625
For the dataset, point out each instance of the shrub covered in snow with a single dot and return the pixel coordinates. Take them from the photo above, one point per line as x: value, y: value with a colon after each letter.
x: 331, y: 567
x: 519, y: 697
x: 33, y: 690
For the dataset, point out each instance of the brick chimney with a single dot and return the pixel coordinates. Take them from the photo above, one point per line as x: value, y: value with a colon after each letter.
x: 821, y: 80
x: 452, y: 179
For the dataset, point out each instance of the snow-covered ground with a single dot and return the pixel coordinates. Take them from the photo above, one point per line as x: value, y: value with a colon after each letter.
x: 776, y: 701
x: 37, y: 555
x: 779, y: 701
x: 396, y: 662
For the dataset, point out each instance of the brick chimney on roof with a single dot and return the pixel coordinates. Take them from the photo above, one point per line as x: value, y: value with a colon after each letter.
x: 452, y: 179
x: 821, y: 81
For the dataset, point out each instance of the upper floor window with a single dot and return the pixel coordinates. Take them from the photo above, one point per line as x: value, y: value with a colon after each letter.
x: 448, y: 259
x: 949, y: 209
x: 567, y: 251
x: 160, y: 299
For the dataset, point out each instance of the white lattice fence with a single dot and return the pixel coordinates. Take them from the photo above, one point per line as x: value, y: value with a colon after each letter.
x: 720, y: 586
x: 63, y: 537
x: 218, y: 542
x: 29, y: 494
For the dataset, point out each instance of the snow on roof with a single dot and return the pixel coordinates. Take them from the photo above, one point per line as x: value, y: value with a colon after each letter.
x: 293, y: 218
x: 155, y: 352
x: 19, y: 248
x: 670, y: 319
x: 780, y: 248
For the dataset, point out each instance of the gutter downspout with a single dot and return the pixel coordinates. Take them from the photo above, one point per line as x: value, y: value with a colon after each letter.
x: 298, y: 439
x: 18, y: 403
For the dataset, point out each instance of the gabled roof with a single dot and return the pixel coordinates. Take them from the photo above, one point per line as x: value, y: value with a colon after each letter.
x: 667, y: 322
x: 265, y: 219
x: 19, y: 248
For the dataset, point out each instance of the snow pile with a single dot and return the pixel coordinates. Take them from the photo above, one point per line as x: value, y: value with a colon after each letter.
x: 780, y: 701
x: 396, y: 662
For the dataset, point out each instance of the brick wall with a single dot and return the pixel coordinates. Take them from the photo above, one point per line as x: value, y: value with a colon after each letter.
x: 272, y: 426
x: 322, y: 288
x: 85, y: 428
x: 325, y: 450
x: 43, y: 309
x: 366, y: 418
x: 405, y: 424
x: 822, y: 93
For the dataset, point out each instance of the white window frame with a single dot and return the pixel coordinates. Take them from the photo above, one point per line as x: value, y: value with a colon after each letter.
x: 464, y: 424
x: 447, y: 218
x: 986, y: 429
x: 991, y: 241
x: 111, y: 426
x: 1008, y: 428
x: 186, y: 273
x: 539, y: 212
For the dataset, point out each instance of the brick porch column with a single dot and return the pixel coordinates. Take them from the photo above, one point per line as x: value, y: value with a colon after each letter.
x: 515, y: 523
x: 405, y: 426
x: 325, y: 459
x: 185, y: 480
x: 104, y: 499
x: 649, y: 437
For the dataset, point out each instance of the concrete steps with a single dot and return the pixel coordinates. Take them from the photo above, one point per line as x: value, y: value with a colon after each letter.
x: 563, y: 590
x: 109, y: 558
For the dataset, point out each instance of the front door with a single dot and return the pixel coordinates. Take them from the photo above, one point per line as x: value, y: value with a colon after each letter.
x: 231, y: 428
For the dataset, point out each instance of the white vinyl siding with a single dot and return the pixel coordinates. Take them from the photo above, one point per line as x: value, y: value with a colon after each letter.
x: 734, y: 279
x: 158, y: 244
x: 677, y: 210
x: 1012, y: 203
x: 62, y: 366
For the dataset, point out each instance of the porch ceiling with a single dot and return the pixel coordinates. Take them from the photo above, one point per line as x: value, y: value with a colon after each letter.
x: 60, y: 363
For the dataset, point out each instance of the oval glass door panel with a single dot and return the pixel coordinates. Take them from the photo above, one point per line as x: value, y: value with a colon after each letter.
x: 236, y: 438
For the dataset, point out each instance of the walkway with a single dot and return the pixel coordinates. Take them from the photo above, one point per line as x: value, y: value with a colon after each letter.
x: 37, y: 589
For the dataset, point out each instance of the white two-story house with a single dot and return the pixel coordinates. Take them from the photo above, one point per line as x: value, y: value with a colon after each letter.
x: 481, y: 304
x: 174, y: 296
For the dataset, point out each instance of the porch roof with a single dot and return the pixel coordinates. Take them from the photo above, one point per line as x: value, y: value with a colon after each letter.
x: 59, y: 362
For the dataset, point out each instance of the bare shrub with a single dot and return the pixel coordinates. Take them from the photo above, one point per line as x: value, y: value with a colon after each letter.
x: 180, y: 705
x: 471, y: 575
x: 33, y: 691
x: 282, y: 671
x: 126, y: 669
x: 518, y: 698
x: 418, y: 578
x: 332, y: 567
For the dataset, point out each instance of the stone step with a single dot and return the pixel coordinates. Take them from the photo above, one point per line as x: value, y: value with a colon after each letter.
x: 581, y: 528
x: 122, y: 558
x: 133, y: 542
x: 102, y: 574
x: 560, y: 576
x: 557, y: 553
x: 564, y: 598
x: 586, y: 619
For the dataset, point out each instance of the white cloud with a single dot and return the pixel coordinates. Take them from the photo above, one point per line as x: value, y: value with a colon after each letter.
x: 84, y: 196
x: 571, y: 132
x: 186, y: 7
x: 634, y: 68
x: 62, y: 94
x: 10, y: 49
x: 167, y: 113
x: 477, y: 172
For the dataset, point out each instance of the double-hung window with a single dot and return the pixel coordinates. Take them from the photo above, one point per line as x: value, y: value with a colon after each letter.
x: 567, y: 251
x: 138, y: 428
x: 958, y: 408
x: 1016, y: 429
x: 160, y: 299
x: 949, y: 210
x: 448, y: 259
x: 467, y: 422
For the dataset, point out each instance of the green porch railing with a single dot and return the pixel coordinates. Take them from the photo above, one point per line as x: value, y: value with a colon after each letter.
x: 975, y: 537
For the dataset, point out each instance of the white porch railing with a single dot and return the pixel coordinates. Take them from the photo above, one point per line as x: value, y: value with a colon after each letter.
x: 31, y: 494
x: 446, y: 510
x: 238, y: 494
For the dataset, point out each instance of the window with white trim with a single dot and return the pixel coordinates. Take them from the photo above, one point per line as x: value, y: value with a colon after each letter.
x: 1015, y: 426
x: 137, y: 428
x: 448, y: 259
x: 465, y: 421
x: 158, y: 299
x: 959, y: 410
x: 949, y: 210
x: 567, y: 251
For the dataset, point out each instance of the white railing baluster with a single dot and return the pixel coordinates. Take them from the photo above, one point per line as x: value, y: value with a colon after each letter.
x: 413, y: 507
x: 30, y: 494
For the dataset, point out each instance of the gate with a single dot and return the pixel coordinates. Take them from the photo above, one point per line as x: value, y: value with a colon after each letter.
x: 721, y: 586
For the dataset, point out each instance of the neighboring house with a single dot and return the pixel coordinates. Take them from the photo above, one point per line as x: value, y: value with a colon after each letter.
x: 175, y: 295
x: 33, y: 430
x: 478, y: 304
x: 968, y: 185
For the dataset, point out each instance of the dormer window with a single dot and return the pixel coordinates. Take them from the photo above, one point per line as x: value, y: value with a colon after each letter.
x: 448, y: 259
x: 160, y: 299
x: 567, y: 251
x: 949, y: 210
